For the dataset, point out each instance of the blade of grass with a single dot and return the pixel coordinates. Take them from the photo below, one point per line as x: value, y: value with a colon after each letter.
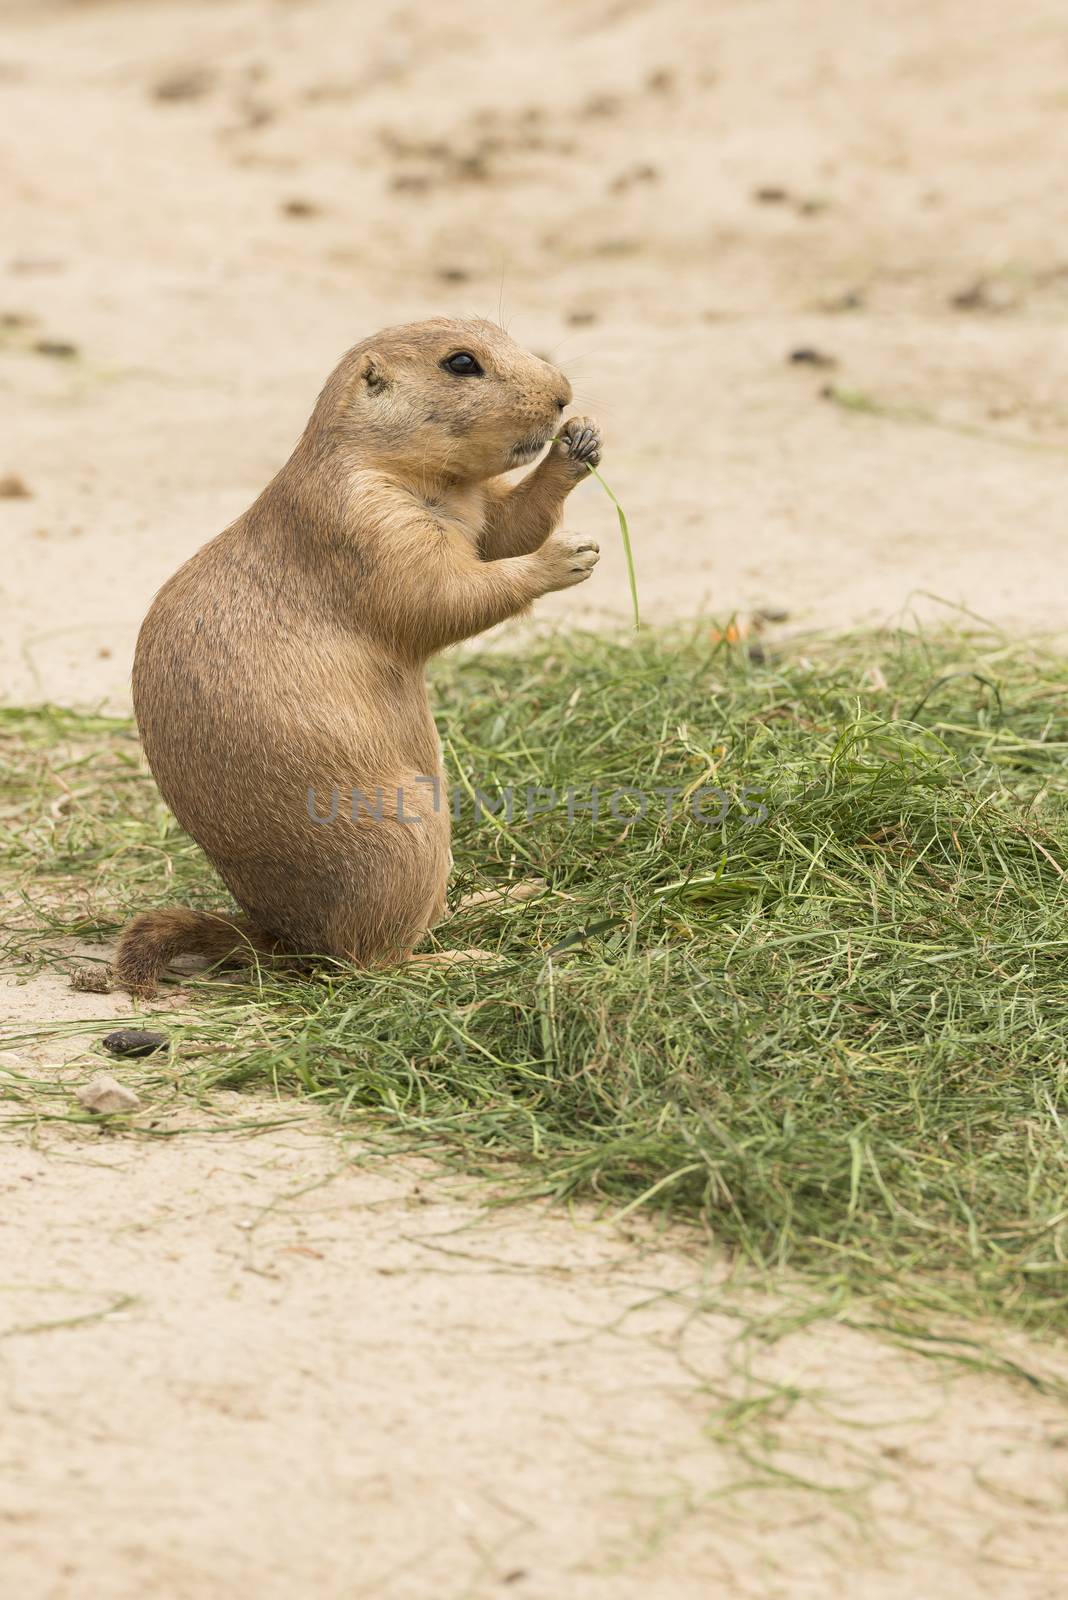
x: 627, y: 551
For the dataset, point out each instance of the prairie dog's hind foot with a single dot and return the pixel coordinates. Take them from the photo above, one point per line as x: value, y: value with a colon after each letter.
x: 452, y: 958
x: 528, y: 889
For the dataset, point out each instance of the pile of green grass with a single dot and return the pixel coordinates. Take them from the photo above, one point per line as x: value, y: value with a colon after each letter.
x: 835, y: 1036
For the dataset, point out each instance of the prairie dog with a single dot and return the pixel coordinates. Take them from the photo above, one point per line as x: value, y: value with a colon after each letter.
x: 286, y: 659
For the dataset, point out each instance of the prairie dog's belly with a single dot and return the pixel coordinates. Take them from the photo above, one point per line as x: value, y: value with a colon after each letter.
x: 307, y: 770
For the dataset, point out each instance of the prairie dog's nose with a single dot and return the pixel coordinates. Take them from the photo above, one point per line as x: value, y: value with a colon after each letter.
x: 558, y: 385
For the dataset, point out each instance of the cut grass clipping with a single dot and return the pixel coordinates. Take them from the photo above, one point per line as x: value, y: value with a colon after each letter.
x: 833, y: 1033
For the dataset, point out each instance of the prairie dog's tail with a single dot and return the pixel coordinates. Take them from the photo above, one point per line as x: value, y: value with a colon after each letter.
x: 153, y: 939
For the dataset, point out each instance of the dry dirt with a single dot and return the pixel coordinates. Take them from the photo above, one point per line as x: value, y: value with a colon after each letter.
x: 238, y: 1361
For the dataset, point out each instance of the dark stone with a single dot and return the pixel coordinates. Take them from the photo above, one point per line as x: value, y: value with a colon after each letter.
x: 134, y: 1042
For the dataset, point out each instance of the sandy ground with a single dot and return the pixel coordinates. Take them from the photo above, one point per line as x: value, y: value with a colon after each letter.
x: 279, y: 1372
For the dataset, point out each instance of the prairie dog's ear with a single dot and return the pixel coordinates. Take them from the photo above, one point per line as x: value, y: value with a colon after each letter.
x: 372, y: 372
x: 366, y: 377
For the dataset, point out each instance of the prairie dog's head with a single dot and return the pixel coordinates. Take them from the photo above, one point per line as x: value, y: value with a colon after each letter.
x: 444, y: 398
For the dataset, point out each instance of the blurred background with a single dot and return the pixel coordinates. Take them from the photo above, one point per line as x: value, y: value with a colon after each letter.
x: 806, y: 260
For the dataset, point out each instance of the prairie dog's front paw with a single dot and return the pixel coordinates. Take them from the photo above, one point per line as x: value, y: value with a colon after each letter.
x: 568, y: 558
x: 579, y: 444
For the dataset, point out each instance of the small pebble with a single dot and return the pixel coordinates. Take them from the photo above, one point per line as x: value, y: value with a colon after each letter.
x: 984, y: 296
x: 187, y: 83
x: 851, y: 300
x: 12, y: 487
x: 106, y: 1094
x: 806, y: 356
x: 642, y: 173
x: 91, y: 980
x: 134, y: 1042
x: 602, y: 105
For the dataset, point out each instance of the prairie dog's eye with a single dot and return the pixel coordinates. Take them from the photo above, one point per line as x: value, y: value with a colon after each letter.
x: 463, y: 363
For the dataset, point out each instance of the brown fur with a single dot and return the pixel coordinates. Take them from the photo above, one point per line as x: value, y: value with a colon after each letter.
x: 288, y: 655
